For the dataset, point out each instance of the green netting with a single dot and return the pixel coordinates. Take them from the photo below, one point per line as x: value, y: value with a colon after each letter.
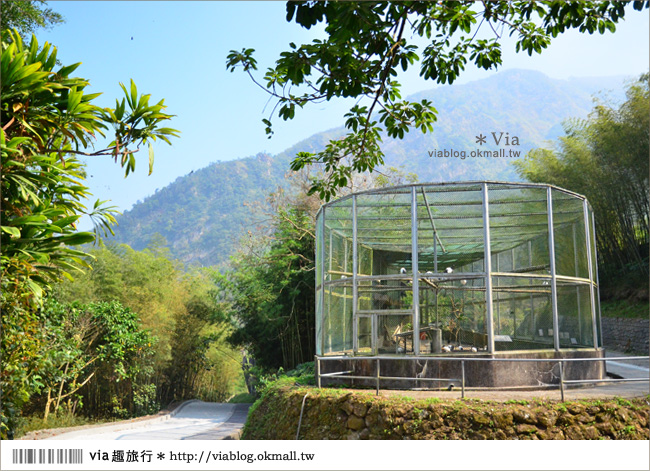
x: 384, y: 222
x: 319, y: 321
x: 385, y: 295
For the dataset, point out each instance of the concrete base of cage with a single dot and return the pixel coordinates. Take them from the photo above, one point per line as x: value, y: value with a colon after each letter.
x: 478, y: 370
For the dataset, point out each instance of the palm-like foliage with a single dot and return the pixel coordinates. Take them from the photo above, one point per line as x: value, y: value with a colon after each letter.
x: 47, y: 122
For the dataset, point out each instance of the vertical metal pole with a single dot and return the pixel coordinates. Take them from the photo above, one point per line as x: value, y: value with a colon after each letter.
x: 462, y: 379
x: 345, y: 300
x: 513, y: 301
x: 575, y: 261
x: 435, y: 253
x: 377, y: 375
x: 595, y: 261
x: 591, y: 280
x: 532, y: 297
x: 488, y: 270
x: 435, y: 270
x: 374, y: 333
x: 355, y: 293
x: 322, y: 284
x: 498, y: 299
x: 416, y: 274
x: 318, y: 371
x: 551, y: 247
x: 561, y: 381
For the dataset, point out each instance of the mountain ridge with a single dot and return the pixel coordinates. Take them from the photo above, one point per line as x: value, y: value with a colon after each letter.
x: 202, y: 215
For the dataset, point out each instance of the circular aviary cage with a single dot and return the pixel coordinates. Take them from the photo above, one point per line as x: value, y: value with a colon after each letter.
x: 478, y: 268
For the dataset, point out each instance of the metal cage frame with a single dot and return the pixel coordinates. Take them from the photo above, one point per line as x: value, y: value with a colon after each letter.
x: 344, y: 218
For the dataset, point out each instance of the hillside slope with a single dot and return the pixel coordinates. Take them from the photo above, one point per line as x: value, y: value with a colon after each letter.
x: 203, y: 215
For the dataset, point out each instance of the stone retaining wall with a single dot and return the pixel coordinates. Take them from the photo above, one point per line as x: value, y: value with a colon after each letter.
x: 626, y: 334
x: 332, y: 414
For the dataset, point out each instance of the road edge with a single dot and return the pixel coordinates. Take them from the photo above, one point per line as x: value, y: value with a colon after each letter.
x: 44, y: 434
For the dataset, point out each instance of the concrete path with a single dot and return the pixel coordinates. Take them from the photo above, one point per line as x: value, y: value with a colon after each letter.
x: 229, y: 430
x: 194, y: 420
x: 626, y: 368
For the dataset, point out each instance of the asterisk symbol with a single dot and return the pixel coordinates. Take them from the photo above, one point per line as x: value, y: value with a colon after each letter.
x: 161, y: 456
x: 480, y: 139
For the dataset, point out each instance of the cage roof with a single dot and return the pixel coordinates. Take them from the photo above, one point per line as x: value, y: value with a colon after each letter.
x: 450, y: 217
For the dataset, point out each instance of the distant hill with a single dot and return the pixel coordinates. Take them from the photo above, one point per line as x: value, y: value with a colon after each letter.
x: 202, y: 215
x: 521, y: 103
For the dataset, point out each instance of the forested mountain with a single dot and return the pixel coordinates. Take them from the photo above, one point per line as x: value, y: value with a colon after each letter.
x: 521, y: 103
x: 202, y: 215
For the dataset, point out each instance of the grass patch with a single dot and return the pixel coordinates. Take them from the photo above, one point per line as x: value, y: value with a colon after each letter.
x: 61, y: 420
x: 625, y: 309
x: 622, y: 402
x: 432, y: 400
x: 242, y: 398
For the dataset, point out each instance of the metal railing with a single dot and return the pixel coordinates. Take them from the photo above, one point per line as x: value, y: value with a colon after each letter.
x: 559, y: 361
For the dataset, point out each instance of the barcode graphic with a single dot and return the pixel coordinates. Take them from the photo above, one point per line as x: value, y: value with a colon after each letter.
x: 49, y: 456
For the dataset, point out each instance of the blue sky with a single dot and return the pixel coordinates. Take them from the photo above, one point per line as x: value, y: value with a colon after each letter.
x: 178, y: 53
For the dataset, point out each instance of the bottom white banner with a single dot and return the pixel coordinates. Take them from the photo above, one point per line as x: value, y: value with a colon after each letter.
x: 322, y: 455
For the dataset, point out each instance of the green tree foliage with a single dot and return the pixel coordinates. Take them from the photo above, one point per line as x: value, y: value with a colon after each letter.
x: 203, y: 365
x: 147, y: 282
x: 96, y: 355
x: 26, y: 16
x: 270, y: 288
x: 273, y: 295
x: 605, y: 158
x: 190, y: 358
x: 21, y: 348
x: 366, y: 45
x: 48, y: 120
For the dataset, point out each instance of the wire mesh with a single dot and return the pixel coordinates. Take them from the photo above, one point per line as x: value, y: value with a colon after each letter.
x: 385, y: 295
x: 519, y: 221
x: 337, y: 319
x: 570, y: 241
x: 575, y: 322
x: 450, y: 227
x: 394, y: 333
x: 457, y: 308
x: 451, y: 279
x: 523, y: 317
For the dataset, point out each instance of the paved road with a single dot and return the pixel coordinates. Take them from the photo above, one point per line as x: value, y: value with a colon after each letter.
x: 626, y: 368
x: 195, y: 420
